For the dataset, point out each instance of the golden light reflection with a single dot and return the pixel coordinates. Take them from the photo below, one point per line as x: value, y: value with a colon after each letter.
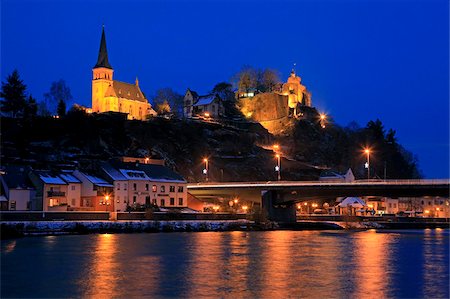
x: 276, y: 259
x: 207, y: 264
x: 102, y: 282
x: 374, y: 251
x: 10, y: 246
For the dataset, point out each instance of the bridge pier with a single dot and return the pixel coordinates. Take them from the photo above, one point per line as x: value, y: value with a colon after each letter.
x: 283, y: 213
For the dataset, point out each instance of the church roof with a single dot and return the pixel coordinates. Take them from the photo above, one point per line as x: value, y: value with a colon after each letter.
x: 125, y: 90
x: 102, y: 60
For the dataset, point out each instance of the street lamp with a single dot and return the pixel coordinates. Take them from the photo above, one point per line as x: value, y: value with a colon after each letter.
x: 367, y: 165
x: 205, y: 170
x: 276, y: 147
x: 278, y: 167
x: 106, y: 203
x: 323, y: 118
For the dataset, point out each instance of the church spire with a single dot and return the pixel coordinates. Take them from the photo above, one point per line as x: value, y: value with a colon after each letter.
x: 102, y: 60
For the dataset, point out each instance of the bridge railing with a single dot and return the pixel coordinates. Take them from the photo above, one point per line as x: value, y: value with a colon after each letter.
x: 320, y: 183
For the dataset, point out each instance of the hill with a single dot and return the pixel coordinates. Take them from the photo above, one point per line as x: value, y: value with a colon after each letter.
x: 239, y: 150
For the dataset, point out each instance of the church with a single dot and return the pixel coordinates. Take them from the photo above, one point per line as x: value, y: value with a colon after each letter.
x: 116, y: 96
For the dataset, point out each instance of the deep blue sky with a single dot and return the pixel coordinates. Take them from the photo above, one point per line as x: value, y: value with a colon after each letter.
x: 361, y: 60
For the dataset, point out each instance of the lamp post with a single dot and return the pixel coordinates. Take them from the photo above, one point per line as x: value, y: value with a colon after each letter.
x: 278, y: 167
x: 367, y: 151
x: 323, y: 118
x: 106, y: 202
x: 205, y: 170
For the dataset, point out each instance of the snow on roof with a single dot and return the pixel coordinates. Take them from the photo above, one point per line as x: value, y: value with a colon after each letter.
x: 355, y: 202
x: 205, y: 100
x: 97, y: 181
x: 69, y: 178
x: 48, y: 178
x: 131, y: 174
x: 113, y: 173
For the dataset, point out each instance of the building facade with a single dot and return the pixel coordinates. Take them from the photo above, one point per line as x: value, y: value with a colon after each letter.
x: 16, y: 189
x: 96, y: 193
x: 113, y: 95
x: 296, y: 91
x: 205, y: 106
x: 138, y: 185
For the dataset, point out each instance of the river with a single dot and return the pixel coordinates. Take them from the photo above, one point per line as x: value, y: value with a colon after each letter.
x: 270, y: 264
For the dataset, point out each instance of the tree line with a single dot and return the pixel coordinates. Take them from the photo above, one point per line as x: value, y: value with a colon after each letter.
x: 17, y: 102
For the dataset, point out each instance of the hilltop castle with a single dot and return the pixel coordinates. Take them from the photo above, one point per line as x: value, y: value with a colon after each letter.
x: 274, y: 109
x: 113, y: 95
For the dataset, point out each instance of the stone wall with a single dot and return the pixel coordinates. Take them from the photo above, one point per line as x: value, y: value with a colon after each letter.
x: 269, y: 109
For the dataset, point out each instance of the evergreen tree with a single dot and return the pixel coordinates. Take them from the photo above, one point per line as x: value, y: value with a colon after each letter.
x: 31, y: 107
x: 13, y: 94
x: 61, y: 110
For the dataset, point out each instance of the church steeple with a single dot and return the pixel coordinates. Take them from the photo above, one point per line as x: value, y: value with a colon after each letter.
x: 102, y: 60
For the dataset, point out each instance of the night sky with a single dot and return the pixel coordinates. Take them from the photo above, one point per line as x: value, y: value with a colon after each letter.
x: 361, y: 60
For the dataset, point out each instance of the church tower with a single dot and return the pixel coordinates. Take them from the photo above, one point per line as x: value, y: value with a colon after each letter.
x: 102, y: 76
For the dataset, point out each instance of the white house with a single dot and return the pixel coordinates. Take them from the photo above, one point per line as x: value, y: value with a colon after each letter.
x: 17, y: 189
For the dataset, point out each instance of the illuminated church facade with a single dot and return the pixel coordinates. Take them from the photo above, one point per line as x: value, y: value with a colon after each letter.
x: 116, y: 96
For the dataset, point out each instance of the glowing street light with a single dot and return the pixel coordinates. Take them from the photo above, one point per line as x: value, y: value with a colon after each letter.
x: 245, y: 208
x: 323, y: 118
x: 276, y: 147
x: 216, y: 208
x: 367, y: 164
x: 278, y: 167
x: 205, y: 170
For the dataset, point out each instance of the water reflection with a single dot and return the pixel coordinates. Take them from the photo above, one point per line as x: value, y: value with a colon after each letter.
x: 101, y: 281
x: 436, y: 261
x: 207, y: 265
x: 9, y: 246
x: 372, y: 270
x: 277, y: 264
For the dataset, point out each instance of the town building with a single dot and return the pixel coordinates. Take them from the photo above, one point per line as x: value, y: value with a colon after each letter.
x: 210, y: 105
x: 138, y: 185
x: 334, y: 176
x: 96, y: 193
x: 16, y: 189
x: 55, y: 192
x: 113, y: 95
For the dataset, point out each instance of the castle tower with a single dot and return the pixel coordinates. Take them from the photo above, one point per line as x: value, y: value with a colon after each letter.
x: 102, y: 76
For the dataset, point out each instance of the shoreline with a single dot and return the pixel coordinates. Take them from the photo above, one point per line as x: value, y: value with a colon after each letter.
x: 14, y: 229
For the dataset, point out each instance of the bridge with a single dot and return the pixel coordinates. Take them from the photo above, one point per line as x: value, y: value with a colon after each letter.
x: 278, y: 198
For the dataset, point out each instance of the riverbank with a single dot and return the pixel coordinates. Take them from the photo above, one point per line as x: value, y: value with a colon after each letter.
x: 12, y: 229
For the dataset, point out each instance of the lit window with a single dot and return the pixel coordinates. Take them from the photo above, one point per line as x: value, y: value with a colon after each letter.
x: 154, y: 188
